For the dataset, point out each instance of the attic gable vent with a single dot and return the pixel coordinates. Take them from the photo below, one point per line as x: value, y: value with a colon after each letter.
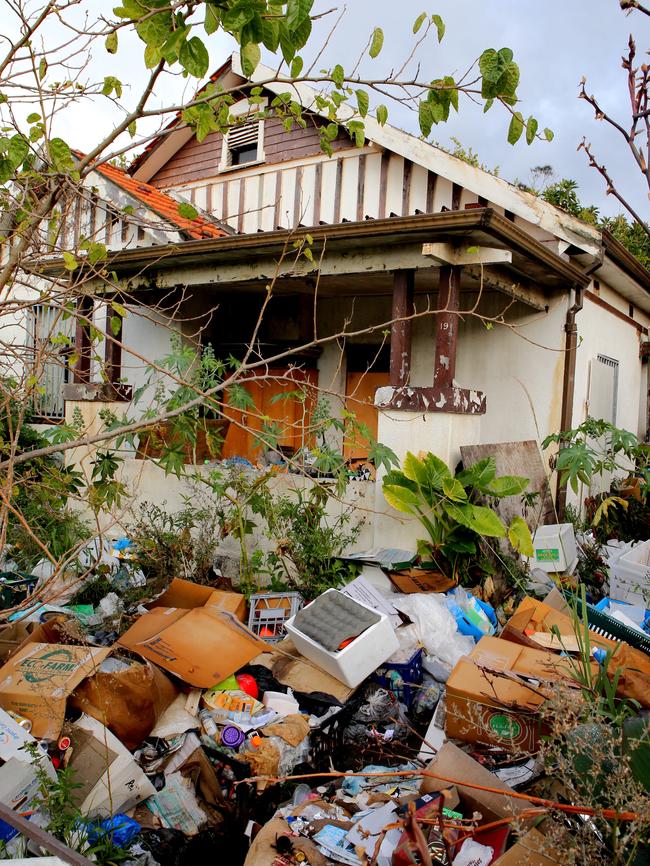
x: 243, y: 144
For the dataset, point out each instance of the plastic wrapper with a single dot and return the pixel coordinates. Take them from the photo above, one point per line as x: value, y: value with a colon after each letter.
x: 436, y: 626
x: 426, y: 698
x: 120, y: 829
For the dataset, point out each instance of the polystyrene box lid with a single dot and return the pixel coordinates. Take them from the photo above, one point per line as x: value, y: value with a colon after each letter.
x: 639, y: 555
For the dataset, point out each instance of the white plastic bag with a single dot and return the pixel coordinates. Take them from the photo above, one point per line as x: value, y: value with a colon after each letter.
x: 435, y: 624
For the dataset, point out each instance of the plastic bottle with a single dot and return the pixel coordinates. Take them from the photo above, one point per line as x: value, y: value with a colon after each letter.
x: 208, y: 723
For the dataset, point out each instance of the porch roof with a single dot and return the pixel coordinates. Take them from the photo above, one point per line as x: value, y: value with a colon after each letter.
x: 347, y: 248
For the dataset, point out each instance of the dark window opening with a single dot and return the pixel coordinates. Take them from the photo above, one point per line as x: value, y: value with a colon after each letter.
x: 241, y: 155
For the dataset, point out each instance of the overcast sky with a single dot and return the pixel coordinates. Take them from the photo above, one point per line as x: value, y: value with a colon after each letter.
x: 555, y: 42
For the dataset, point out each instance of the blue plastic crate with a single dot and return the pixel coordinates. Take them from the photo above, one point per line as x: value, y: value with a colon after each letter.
x: 410, y: 673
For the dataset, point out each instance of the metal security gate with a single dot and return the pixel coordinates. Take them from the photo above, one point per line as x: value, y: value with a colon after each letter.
x: 51, y: 353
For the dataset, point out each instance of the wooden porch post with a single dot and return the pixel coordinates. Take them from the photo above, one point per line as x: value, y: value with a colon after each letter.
x: 447, y: 327
x: 113, y: 349
x: 83, y: 346
x: 400, y: 331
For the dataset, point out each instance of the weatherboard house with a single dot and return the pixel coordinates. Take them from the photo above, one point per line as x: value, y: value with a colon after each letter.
x: 542, y: 319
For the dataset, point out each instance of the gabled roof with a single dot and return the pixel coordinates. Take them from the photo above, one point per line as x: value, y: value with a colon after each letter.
x: 164, y: 205
x: 494, y: 189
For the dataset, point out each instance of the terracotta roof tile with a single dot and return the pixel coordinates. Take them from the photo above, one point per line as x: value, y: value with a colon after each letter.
x: 164, y: 205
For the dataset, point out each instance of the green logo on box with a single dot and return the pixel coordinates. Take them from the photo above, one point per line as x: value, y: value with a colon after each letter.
x: 547, y: 554
x: 504, y: 726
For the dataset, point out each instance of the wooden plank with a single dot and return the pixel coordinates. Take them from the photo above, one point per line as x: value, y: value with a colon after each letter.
x: 361, y: 186
x: 394, y: 185
x: 338, y: 188
x: 406, y: 186
x: 447, y: 327
x: 400, y: 331
x: 113, y: 349
x: 297, y: 199
x: 372, y: 189
x: 349, y: 189
x: 383, y: 183
x: 318, y: 192
x: 431, y: 190
x: 85, y: 306
x: 42, y: 838
x: 517, y: 458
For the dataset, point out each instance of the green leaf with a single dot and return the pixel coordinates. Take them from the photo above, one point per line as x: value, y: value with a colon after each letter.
x: 194, y: 57
x: 516, y: 128
x: 131, y: 129
x: 111, y: 42
x: 440, y: 26
x: 479, y: 475
x: 69, y: 261
x: 96, y: 253
x: 33, y: 117
x: 479, y: 519
x: 425, y: 118
x: 549, y: 135
x: 376, y: 42
x: 296, y: 66
x: 488, y: 105
x: 520, y: 537
x: 187, y: 211
x: 297, y: 12
x: 506, y: 485
x: 382, y: 114
x: 338, y: 75
x: 454, y: 490
x: 112, y: 84
x: 42, y: 69
x: 415, y: 469
x: 212, y: 19
x: 250, y: 58
x: 116, y: 325
x: 419, y: 21
x: 61, y: 154
x: 152, y: 55
x: 531, y: 130
x: 363, y: 102
x: 120, y: 309
x: 401, y: 499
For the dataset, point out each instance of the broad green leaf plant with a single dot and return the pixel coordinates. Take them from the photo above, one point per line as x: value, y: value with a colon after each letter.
x: 448, y: 508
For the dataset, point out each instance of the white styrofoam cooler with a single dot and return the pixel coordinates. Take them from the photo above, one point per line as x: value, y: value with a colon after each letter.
x: 359, y: 658
x: 629, y: 575
x: 554, y: 547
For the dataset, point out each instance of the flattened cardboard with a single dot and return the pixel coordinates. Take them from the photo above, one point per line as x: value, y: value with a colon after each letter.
x: 532, y: 849
x: 37, y: 681
x: 298, y: 673
x: 187, y: 595
x: 202, y: 646
x: 452, y: 763
x: 420, y: 580
x: 632, y: 665
x: 110, y: 779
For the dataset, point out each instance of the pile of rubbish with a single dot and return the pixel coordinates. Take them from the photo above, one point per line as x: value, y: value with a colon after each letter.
x: 393, y: 722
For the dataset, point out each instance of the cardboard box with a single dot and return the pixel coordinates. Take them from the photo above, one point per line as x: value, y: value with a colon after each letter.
x: 452, y: 763
x: 110, y: 779
x: 202, y: 646
x: 632, y: 665
x: 420, y: 580
x: 37, y: 681
x: 484, y: 706
x: 129, y: 702
x: 188, y: 595
x: 14, y: 738
x: 20, y: 789
x: 532, y: 849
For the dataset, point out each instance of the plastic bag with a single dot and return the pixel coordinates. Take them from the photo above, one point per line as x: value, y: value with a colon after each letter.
x: 437, y: 629
x: 473, y: 617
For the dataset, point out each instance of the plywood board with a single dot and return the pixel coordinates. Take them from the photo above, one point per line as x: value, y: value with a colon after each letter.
x: 517, y: 458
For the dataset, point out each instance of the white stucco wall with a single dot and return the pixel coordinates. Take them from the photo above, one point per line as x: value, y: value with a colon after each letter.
x: 519, y: 368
